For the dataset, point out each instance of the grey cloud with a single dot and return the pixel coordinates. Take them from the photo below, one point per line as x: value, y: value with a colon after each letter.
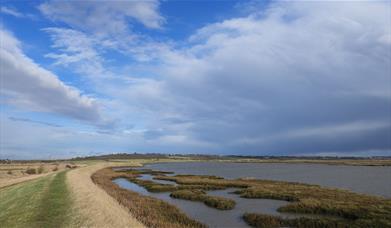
x: 264, y: 75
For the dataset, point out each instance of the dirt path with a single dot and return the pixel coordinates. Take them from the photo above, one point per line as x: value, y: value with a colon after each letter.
x: 94, y: 207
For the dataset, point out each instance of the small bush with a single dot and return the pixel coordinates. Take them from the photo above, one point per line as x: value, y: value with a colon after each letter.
x: 31, y: 171
x: 40, y: 169
x: 9, y: 172
x: 55, y: 169
x: 258, y: 220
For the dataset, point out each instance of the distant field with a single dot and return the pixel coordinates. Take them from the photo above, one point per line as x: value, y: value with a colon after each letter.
x: 17, y: 172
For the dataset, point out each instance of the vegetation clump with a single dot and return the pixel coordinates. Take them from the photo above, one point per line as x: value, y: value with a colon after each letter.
x: 31, y: 171
x: 199, y: 195
x: 40, y: 169
x: 153, y: 186
x: 262, y: 221
x: 212, y: 182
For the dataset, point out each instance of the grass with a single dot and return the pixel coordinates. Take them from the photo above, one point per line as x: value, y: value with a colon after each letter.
x: 199, y: 195
x: 20, y: 203
x: 39, y: 203
x: 350, y: 209
x: 262, y: 221
x: 53, y: 211
x: 148, y: 210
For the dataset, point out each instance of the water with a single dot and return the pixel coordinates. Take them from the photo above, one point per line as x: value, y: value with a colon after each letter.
x: 210, y: 216
x: 374, y: 180
x: 150, y: 177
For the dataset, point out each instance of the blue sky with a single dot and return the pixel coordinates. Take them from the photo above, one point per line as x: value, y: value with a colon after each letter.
x: 224, y: 77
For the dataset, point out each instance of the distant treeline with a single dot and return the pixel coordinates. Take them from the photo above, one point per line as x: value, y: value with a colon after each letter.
x: 309, y: 157
x: 144, y: 156
x: 196, y: 156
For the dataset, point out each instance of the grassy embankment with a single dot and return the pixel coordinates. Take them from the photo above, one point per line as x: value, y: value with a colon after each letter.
x: 350, y: 209
x: 148, y: 210
x: 44, y: 202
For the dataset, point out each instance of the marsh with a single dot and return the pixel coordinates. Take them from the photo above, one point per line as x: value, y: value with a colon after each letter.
x: 372, y: 180
x: 288, y: 202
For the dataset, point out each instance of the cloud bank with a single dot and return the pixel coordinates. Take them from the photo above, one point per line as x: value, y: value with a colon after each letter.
x: 27, y: 85
x: 298, y: 78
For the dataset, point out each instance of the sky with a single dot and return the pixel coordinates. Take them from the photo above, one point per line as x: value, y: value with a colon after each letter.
x: 81, y: 78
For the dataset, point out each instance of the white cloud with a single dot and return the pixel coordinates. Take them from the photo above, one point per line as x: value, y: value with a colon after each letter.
x: 77, y: 50
x: 26, y: 84
x: 100, y: 27
x: 104, y: 17
x: 10, y: 11
x: 15, y: 13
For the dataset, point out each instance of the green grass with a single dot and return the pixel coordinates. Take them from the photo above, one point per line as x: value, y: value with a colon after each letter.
x: 19, y: 203
x: 55, y: 204
x: 39, y: 203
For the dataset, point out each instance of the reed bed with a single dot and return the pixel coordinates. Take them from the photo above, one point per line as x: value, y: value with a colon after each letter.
x: 199, y: 195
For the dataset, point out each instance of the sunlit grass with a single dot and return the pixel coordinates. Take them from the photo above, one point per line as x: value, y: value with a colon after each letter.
x: 44, y: 202
x: 19, y: 204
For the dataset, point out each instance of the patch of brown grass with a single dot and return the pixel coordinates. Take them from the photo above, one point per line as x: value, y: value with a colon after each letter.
x: 211, y: 201
x: 263, y: 221
x: 19, y: 174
